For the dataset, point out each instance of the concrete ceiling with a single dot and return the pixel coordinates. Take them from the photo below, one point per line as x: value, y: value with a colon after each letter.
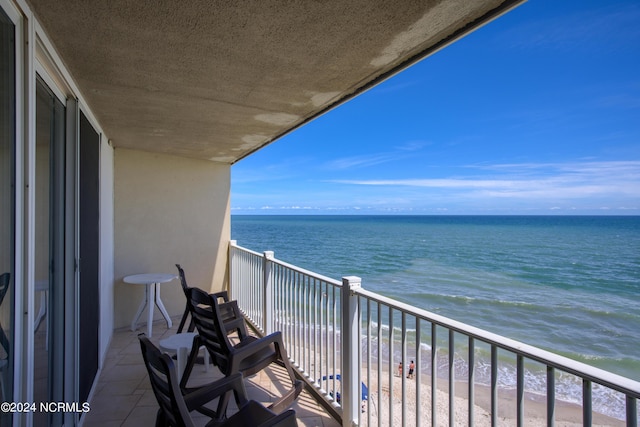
x: 218, y: 80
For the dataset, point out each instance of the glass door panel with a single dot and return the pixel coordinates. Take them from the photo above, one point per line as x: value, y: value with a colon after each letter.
x: 49, y: 253
x: 7, y: 209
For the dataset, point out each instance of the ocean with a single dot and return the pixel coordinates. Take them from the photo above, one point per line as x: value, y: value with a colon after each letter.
x: 567, y: 284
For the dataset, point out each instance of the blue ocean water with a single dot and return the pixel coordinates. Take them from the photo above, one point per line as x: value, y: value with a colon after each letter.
x: 568, y: 284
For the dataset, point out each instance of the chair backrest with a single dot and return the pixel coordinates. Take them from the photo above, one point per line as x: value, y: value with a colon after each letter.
x: 183, y: 279
x: 215, y: 321
x: 162, y: 374
x: 209, y: 325
x: 174, y: 410
x: 222, y: 295
x: 185, y: 315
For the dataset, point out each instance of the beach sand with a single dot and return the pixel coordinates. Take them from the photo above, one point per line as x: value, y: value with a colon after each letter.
x: 566, y: 414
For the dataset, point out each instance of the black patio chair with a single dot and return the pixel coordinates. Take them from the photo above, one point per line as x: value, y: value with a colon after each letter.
x: 215, y: 322
x: 175, y: 407
x: 5, y: 280
x: 223, y: 295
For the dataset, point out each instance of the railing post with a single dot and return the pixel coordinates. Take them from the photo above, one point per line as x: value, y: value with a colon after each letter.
x: 230, y: 260
x: 267, y: 300
x: 350, y: 343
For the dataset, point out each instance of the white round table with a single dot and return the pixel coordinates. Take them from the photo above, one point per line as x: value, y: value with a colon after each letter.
x: 152, y: 283
x: 180, y: 345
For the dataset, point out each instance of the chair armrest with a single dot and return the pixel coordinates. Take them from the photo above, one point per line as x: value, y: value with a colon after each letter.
x: 251, y: 348
x: 255, y: 415
x: 222, y: 294
x: 275, y: 339
x: 288, y: 398
x: 285, y: 419
x: 218, y: 389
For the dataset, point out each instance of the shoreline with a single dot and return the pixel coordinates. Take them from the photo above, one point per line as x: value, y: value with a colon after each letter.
x: 567, y: 414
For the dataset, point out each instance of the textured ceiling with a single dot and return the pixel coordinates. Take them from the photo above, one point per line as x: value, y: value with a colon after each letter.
x: 220, y: 79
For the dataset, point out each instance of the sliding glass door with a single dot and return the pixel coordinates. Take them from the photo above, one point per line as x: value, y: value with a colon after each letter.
x: 89, y: 295
x: 49, y: 234
x: 7, y: 209
x: 49, y: 288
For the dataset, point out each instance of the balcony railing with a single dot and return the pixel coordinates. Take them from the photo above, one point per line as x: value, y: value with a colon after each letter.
x: 348, y: 343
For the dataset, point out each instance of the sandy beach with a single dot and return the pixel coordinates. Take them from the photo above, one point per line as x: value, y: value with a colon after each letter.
x: 566, y: 414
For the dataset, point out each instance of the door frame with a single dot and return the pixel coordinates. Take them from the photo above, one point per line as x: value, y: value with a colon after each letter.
x: 14, y: 15
x: 35, y: 55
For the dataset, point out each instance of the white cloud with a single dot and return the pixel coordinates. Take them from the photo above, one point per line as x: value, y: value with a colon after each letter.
x: 570, y: 187
x: 413, y: 145
x: 362, y: 161
x: 400, y: 152
x: 530, y: 180
x: 608, y: 28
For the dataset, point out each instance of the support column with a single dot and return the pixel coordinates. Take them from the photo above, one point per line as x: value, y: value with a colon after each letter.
x: 350, y: 343
x: 267, y: 300
x: 231, y: 256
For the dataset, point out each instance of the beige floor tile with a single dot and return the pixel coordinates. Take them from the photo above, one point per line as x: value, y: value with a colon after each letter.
x: 111, y: 408
x: 123, y: 396
x: 141, y: 416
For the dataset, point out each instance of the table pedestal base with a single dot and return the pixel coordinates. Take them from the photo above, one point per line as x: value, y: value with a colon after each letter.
x: 151, y: 298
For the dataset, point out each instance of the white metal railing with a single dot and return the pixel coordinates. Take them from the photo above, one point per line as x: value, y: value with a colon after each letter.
x: 301, y: 304
x: 348, y: 342
x: 248, y: 267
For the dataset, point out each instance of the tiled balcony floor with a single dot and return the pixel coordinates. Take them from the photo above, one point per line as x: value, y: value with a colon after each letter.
x: 123, y: 396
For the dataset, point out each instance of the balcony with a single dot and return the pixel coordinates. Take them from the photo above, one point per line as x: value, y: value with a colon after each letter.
x: 346, y: 344
x: 123, y: 395
x: 338, y: 329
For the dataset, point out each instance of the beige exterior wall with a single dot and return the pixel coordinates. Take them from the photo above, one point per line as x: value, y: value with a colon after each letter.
x: 168, y: 210
x: 106, y: 247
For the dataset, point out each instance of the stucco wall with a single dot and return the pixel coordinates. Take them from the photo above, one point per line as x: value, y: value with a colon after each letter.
x: 168, y: 210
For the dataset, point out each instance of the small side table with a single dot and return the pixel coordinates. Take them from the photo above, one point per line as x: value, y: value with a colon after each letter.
x: 152, y: 296
x: 180, y: 344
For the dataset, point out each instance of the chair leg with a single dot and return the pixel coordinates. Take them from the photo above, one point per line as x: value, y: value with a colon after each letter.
x: 207, y: 358
x: 183, y: 320
x: 191, y: 361
x: 160, y: 419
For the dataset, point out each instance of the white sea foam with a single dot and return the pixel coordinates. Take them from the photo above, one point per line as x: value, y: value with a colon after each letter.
x: 568, y: 387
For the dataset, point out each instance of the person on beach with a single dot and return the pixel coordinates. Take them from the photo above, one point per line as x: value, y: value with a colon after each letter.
x: 400, y: 369
x: 411, y: 368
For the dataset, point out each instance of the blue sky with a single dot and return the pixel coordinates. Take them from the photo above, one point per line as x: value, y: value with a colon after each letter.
x: 537, y: 112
